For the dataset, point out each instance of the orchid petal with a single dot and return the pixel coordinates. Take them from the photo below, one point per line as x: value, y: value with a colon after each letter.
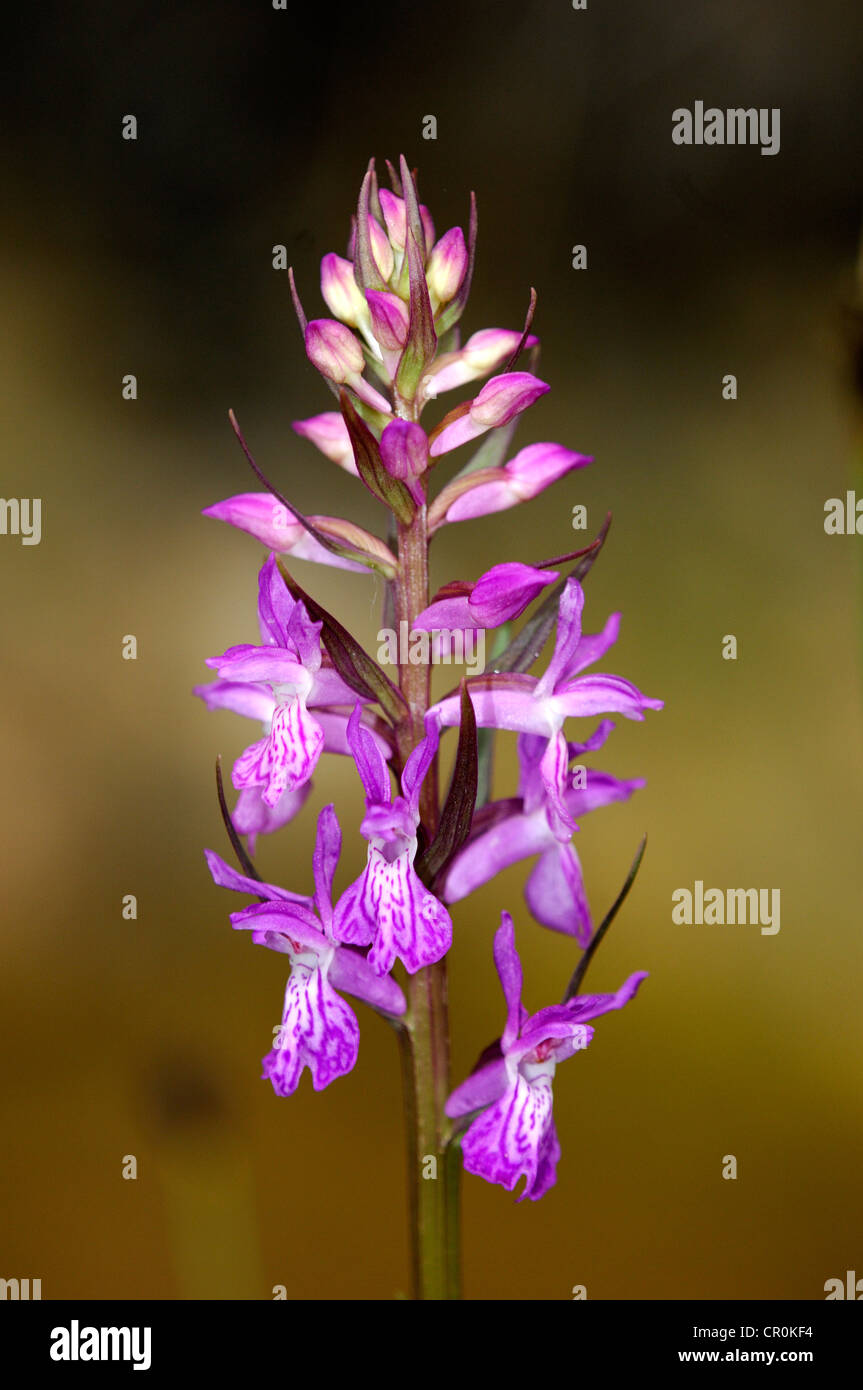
x: 483, y: 1087
x: 351, y: 973
x: 286, y: 758
x: 319, y: 1031
x: 226, y: 877
x: 508, y: 966
x: 506, y: 1141
x: 555, y: 893
x: 253, y: 817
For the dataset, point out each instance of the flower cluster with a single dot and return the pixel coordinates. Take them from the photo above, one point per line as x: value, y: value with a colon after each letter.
x: 391, y: 348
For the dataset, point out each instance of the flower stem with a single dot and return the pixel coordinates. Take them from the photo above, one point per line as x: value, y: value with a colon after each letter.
x: 432, y: 1176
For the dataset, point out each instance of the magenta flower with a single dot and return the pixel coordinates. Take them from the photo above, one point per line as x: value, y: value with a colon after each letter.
x: 392, y: 345
x: 276, y: 683
x: 388, y: 907
x: 253, y: 817
x: 528, y: 705
x: 514, y: 1135
x: 489, y: 490
x: 318, y: 1030
x: 500, y: 594
x: 341, y: 293
x: 395, y: 220
x: 447, y: 267
x: 261, y: 516
x: 329, y: 433
x: 338, y: 356
x: 507, y: 832
x: 389, y: 327
x: 500, y: 401
x: 484, y: 352
x: 405, y: 454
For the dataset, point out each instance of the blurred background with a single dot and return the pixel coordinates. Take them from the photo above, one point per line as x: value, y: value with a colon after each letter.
x: 144, y: 1037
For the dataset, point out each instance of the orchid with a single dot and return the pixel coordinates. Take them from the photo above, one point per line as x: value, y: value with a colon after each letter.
x: 514, y: 1134
x: 277, y: 682
x: 319, y: 1030
x: 506, y: 832
x: 541, y: 705
x: 390, y: 348
x: 388, y: 907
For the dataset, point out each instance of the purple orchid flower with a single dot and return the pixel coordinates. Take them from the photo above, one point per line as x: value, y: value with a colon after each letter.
x: 447, y: 267
x: 500, y: 401
x: 319, y: 1030
x: 277, y: 682
x: 506, y: 832
x: 488, y: 490
x: 261, y: 516
x: 514, y: 1135
x: 531, y: 705
x: 329, y: 433
x: 253, y: 817
x: 388, y: 907
x: 484, y: 352
x: 338, y: 356
x: 502, y: 593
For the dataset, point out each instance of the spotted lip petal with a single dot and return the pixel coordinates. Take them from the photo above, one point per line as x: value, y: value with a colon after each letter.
x: 388, y: 907
x: 319, y: 1031
x: 509, y: 1140
x: 286, y: 758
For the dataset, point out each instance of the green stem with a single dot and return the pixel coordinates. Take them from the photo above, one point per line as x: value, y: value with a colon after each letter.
x: 432, y: 1177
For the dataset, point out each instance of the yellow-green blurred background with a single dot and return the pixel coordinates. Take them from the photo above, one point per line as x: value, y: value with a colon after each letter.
x: 144, y: 1037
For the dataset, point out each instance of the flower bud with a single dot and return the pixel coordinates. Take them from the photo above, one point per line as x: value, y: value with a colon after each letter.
x: 342, y: 295
x: 500, y: 401
x: 381, y: 249
x: 504, y: 397
x: 393, y: 209
x: 389, y: 319
x: 329, y: 434
x: 404, y: 450
x: 484, y: 352
x: 333, y: 349
x: 446, y: 267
